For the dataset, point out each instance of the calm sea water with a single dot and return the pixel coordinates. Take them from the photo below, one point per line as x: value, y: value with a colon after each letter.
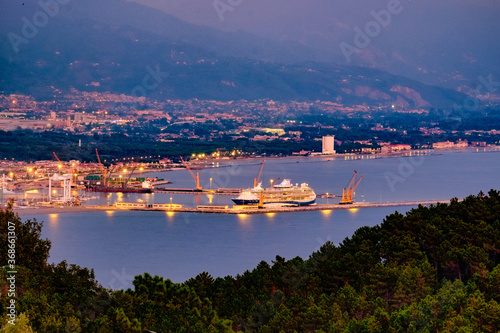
x: 120, y: 245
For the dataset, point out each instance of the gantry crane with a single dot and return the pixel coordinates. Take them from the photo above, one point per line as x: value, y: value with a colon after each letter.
x: 196, y: 178
x: 257, y: 180
x: 348, y: 193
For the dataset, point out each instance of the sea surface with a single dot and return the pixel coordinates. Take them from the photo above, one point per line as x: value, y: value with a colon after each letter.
x: 120, y: 244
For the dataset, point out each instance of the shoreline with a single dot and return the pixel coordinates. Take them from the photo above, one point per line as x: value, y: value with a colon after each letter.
x: 206, y: 163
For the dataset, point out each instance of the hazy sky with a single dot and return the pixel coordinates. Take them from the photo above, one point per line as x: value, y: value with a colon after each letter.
x: 276, y: 16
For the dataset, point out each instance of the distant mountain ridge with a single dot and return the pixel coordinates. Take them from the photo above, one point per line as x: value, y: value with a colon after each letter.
x: 447, y: 43
x: 121, y: 53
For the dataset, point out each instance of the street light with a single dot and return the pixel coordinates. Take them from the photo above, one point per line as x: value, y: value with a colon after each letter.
x: 272, y: 182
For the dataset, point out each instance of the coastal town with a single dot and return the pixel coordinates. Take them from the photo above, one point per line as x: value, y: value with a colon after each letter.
x: 84, y: 134
x: 298, y: 126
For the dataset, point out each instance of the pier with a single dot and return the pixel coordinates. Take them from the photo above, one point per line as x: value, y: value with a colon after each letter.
x: 220, y: 191
x: 246, y: 210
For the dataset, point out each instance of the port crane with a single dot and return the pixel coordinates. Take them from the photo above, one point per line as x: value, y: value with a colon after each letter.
x: 103, y: 169
x: 60, y: 162
x: 196, y: 178
x: 275, y: 182
x: 348, y: 193
x: 57, y: 158
x: 257, y: 180
x: 125, y: 184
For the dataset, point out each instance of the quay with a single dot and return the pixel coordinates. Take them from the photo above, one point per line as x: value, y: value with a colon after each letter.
x: 225, y: 209
x: 220, y: 191
x: 211, y: 209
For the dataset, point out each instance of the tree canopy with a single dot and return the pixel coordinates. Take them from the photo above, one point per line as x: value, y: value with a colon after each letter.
x: 435, y: 269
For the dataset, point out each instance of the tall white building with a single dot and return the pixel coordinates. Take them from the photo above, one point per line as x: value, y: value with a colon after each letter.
x: 329, y: 145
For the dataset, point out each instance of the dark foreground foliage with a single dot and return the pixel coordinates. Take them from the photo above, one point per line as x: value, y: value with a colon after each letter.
x: 434, y: 270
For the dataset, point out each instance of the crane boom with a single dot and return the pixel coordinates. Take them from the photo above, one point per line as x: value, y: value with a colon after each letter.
x: 57, y: 158
x: 359, y: 181
x: 131, y: 172
x: 187, y: 167
x: 196, y: 178
x: 351, y: 183
x: 275, y: 182
x: 111, y: 170
x: 98, y: 158
x: 103, y: 169
x: 125, y: 184
x: 257, y: 180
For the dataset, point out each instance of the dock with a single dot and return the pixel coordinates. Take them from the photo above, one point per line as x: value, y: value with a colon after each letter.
x: 210, y: 209
x: 220, y: 191
x: 225, y: 209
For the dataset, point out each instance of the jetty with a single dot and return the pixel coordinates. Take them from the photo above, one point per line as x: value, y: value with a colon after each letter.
x: 254, y: 209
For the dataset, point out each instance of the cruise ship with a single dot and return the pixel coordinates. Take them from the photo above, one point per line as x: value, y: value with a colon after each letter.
x: 283, y: 194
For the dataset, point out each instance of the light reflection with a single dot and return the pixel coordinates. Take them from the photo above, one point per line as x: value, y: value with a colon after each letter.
x: 170, y: 218
x: 243, y: 216
x: 326, y: 212
x: 353, y: 210
x: 110, y: 212
x: 54, y: 220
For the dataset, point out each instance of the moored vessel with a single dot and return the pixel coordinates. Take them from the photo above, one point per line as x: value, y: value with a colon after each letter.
x: 283, y: 194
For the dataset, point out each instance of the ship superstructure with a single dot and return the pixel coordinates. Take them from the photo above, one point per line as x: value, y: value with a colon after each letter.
x: 283, y: 194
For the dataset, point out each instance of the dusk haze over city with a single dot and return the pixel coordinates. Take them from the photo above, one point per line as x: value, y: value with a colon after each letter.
x: 249, y: 166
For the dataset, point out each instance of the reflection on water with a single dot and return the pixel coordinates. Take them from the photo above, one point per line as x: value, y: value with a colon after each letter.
x: 53, y: 221
x: 326, y: 212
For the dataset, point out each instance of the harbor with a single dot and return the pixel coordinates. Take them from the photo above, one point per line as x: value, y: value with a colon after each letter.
x: 194, y: 239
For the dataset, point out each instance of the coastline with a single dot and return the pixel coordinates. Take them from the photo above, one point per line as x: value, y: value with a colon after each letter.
x: 206, y: 163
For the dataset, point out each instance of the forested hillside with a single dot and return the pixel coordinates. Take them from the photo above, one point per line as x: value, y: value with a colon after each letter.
x: 434, y: 270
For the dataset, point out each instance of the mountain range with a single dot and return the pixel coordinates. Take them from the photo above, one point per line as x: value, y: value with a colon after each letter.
x: 122, y: 47
x: 447, y: 43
